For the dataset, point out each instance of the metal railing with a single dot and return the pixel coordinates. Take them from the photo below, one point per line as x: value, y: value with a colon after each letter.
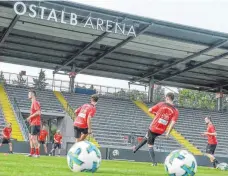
x: 63, y: 86
x: 70, y: 111
x: 21, y: 121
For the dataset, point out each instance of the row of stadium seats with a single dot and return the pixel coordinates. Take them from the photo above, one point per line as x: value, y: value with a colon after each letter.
x: 47, y: 99
x: 2, y: 121
x: 115, y: 119
x: 191, y: 124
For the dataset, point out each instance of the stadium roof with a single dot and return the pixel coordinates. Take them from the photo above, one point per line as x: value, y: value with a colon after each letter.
x: 175, y: 55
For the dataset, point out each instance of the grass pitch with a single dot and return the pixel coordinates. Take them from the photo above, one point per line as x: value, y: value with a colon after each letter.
x: 20, y: 165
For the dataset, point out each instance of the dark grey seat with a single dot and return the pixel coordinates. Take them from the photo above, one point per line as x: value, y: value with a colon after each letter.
x: 2, y: 120
x: 48, y: 101
x: 117, y: 119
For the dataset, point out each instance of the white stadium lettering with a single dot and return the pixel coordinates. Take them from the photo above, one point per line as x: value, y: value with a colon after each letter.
x: 52, y: 15
x: 33, y: 11
x: 16, y: 8
x: 118, y: 28
x: 100, y: 23
x: 109, y: 25
x: 89, y: 23
x: 20, y: 8
x: 42, y: 12
x: 62, y: 17
x: 73, y: 19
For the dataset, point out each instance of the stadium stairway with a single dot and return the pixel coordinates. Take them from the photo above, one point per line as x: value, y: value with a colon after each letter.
x: 70, y: 112
x: 176, y: 135
x: 9, y: 114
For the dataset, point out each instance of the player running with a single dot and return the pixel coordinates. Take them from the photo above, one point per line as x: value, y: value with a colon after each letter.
x: 57, y: 142
x: 6, y: 135
x: 82, y: 123
x: 34, y: 121
x: 42, y: 139
x: 165, y: 115
x: 212, y: 141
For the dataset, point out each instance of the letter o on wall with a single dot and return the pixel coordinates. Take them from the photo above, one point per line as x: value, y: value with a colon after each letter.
x: 20, y: 8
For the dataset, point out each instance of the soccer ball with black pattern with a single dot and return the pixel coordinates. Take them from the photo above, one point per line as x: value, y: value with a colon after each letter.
x: 84, y: 157
x: 223, y: 166
x: 181, y: 163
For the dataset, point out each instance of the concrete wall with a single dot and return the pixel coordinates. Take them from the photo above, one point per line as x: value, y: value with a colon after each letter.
x: 143, y: 156
x: 112, y: 153
x: 67, y: 129
x: 22, y: 147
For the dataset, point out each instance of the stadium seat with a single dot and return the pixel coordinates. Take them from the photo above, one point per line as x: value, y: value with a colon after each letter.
x: 117, y: 118
x: 48, y: 101
x: 191, y: 124
x: 2, y: 121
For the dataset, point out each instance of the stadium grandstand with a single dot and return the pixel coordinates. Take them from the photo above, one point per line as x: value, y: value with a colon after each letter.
x: 86, y: 40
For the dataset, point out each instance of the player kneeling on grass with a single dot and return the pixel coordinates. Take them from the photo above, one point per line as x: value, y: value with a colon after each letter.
x: 42, y: 139
x: 6, y: 135
x: 82, y: 123
x: 212, y: 141
x: 57, y: 143
x: 165, y: 115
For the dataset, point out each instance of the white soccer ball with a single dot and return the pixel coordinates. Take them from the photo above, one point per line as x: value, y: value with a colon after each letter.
x: 180, y: 163
x: 223, y: 166
x: 84, y: 157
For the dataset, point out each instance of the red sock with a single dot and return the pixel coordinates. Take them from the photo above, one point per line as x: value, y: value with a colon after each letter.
x: 32, y: 151
x: 37, y: 151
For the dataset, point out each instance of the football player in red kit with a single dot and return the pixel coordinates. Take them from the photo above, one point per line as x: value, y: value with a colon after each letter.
x: 42, y: 139
x: 212, y: 141
x: 57, y: 142
x: 82, y: 123
x: 165, y: 115
x: 34, y: 124
x: 6, y: 135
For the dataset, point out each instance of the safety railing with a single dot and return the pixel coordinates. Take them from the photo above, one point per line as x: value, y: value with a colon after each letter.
x: 21, y: 120
x: 63, y: 86
x: 70, y: 111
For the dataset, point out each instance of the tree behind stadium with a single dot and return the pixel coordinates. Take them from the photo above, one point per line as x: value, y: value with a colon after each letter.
x: 20, y: 81
x: 40, y: 82
x: 197, y: 99
x: 2, y: 78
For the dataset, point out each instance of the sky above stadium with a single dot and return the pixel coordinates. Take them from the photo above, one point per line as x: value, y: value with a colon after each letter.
x: 207, y: 14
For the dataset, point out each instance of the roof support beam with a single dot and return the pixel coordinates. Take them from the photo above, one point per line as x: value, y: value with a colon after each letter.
x: 109, y: 51
x: 197, y: 65
x: 140, y: 84
x: 81, y: 51
x: 220, y: 85
x: 181, y: 84
x: 219, y: 44
x: 9, y: 29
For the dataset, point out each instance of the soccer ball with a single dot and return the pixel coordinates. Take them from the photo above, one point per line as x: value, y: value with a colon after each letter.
x: 180, y: 163
x: 223, y: 166
x: 84, y: 157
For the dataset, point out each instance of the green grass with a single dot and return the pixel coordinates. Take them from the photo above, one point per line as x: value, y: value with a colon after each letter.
x: 19, y: 165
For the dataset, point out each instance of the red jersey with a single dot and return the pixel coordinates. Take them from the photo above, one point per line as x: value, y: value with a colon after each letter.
x: 7, y: 132
x: 164, y: 114
x: 43, y: 135
x: 82, y: 114
x: 36, y: 121
x: 58, y: 138
x: 211, y: 139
